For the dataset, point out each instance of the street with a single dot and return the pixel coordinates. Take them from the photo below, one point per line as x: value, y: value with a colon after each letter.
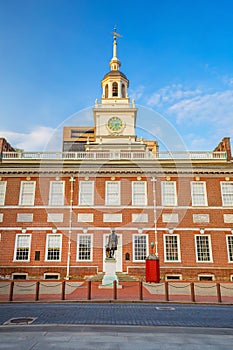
x: 116, y: 326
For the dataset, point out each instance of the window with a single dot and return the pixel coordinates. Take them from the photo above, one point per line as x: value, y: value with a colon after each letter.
x: 86, y: 192
x: 84, y: 248
x: 51, y: 276
x: 140, y: 245
x: 56, y: 193
x: 169, y: 193
x: 19, y: 276
x: 53, y: 247
x: 123, y: 93
x: 114, y: 89
x: 112, y: 194
x: 172, y: 248
x: 203, y: 248
x: 22, y: 247
x: 27, y: 193
x: 227, y: 193
x: 106, y: 91
x: 198, y: 192
x: 206, y: 277
x: 173, y: 277
x: 230, y: 247
x: 139, y: 195
x: 2, y: 192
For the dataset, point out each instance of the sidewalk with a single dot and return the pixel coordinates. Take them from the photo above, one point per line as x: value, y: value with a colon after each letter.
x: 114, y: 338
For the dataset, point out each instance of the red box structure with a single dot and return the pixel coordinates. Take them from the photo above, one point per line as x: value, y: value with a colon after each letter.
x: 152, y: 270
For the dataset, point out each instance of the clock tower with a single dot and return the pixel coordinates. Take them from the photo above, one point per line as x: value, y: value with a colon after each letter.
x: 115, y: 115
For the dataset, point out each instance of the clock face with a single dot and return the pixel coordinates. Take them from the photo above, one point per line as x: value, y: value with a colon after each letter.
x: 115, y: 124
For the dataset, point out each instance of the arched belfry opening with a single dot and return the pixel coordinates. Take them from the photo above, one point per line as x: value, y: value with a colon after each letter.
x: 114, y: 89
x: 123, y: 94
x: 106, y: 91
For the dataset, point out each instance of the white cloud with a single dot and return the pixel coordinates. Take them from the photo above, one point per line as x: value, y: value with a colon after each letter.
x: 214, y: 108
x: 35, y: 140
x: 171, y: 93
x: 137, y: 93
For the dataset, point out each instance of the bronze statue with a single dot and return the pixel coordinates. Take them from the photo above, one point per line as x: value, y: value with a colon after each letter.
x: 112, y: 244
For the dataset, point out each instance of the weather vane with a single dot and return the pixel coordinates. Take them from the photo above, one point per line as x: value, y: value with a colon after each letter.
x: 115, y: 34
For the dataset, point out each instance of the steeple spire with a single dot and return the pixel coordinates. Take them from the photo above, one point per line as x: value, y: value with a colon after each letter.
x: 115, y: 63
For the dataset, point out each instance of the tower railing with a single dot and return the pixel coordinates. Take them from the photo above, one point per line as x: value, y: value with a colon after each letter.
x: 113, y: 155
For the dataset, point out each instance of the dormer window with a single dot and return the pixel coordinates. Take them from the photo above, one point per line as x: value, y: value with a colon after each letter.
x: 114, y: 89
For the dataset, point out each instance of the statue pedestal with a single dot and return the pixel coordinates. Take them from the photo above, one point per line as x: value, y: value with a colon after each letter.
x: 110, y: 273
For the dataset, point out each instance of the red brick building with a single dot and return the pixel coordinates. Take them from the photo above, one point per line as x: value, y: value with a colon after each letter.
x: 57, y: 209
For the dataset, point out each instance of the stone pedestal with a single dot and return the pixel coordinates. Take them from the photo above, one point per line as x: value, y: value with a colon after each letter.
x: 110, y: 273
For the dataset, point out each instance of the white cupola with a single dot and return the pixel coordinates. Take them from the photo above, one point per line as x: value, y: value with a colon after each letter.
x: 115, y: 83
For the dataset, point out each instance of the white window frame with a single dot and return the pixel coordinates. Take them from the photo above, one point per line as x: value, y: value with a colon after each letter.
x: 81, y: 199
x: 19, y: 274
x: 2, y: 192
x: 197, y: 196
x: 165, y: 246
x: 52, y: 274
x: 107, y: 193
x: 230, y: 260
x: 167, y: 277
x: 79, y: 237
x: 60, y: 247
x: 210, y: 249
x: 60, y: 195
x: 204, y: 276
x: 135, y: 193
x: 224, y: 202
x: 165, y: 201
x: 16, y: 247
x: 22, y: 193
x: 134, y: 250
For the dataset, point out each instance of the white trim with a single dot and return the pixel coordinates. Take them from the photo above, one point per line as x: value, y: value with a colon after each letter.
x: 46, y: 247
x: 210, y: 249
x: 51, y: 193
x: 173, y: 275
x: 2, y: 192
x: 206, y: 275
x: 19, y: 274
x: 178, y: 248
x: 52, y: 274
x: 133, y: 243
x: 228, y: 251
x: 145, y: 191
x: 148, y: 207
x: 79, y: 235
x: 193, y: 184
x: 16, y: 246
x: 221, y: 184
x: 22, y: 183
x: 118, y: 199
x: 91, y: 183
x: 163, y: 185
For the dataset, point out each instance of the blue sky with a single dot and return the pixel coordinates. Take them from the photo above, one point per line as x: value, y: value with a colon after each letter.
x: 177, y: 55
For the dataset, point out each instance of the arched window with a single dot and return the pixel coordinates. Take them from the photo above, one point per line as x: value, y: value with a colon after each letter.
x: 123, y: 90
x: 114, y: 89
x: 106, y: 91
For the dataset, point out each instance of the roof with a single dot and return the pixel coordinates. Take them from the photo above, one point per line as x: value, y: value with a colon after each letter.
x: 115, y: 73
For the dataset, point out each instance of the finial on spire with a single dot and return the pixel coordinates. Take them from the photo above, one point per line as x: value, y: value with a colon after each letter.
x: 115, y: 35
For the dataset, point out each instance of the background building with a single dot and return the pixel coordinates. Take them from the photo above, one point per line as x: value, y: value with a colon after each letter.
x: 57, y: 209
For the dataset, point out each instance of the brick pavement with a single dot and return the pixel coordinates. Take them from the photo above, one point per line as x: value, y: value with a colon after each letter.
x: 130, y: 291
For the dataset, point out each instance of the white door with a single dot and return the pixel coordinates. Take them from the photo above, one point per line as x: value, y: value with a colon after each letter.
x: 118, y: 252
